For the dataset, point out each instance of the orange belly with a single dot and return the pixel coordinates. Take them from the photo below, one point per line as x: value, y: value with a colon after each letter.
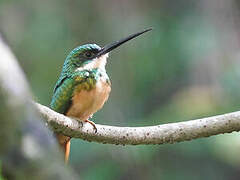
x: 86, y: 102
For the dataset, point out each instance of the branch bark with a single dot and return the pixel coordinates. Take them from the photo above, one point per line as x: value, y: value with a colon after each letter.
x: 159, y: 134
x: 27, y: 148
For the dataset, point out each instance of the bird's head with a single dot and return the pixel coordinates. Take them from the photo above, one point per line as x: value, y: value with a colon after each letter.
x: 86, y: 57
x: 90, y: 56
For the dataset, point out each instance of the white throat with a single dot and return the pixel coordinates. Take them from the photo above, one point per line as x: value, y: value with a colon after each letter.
x: 99, y: 62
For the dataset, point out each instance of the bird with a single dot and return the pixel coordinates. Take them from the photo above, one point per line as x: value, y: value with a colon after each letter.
x: 83, y: 86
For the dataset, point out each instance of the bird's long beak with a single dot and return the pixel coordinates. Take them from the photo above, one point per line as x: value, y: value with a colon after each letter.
x: 114, y: 45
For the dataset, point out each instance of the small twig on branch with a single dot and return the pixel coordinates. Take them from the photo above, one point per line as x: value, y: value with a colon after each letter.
x: 159, y: 134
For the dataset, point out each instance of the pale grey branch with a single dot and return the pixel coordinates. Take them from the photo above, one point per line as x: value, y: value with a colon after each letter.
x: 159, y: 134
x: 27, y: 148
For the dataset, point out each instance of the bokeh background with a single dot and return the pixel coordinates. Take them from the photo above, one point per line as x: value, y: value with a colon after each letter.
x: 188, y: 67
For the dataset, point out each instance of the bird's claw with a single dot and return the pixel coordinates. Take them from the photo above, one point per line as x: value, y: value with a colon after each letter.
x: 93, y: 124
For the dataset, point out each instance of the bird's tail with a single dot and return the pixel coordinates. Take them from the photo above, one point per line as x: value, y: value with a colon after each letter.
x: 64, y: 143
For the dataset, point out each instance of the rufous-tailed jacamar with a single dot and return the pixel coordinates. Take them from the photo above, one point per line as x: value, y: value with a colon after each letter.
x: 83, y: 86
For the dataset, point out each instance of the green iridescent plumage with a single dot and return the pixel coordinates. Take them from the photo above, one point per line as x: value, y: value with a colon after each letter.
x: 81, y: 80
x: 71, y: 80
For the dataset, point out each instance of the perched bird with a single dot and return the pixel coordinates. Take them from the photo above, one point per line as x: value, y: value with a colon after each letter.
x: 83, y: 86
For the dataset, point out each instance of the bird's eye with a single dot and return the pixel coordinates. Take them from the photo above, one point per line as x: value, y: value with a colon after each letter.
x: 88, y: 54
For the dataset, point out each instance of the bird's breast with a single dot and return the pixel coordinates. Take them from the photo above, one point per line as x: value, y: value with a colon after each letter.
x: 88, y: 98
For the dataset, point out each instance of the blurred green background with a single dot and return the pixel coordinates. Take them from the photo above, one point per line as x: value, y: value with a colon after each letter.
x: 188, y: 67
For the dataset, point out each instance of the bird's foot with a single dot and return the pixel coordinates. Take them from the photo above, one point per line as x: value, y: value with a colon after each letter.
x: 93, y: 124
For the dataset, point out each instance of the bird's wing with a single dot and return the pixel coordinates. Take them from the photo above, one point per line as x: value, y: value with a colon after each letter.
x: 64, y: 89
x: 60, y: 81
x: 62, y: 96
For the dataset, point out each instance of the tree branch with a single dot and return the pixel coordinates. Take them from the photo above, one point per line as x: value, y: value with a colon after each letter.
x: 159, y: 134
x: 27, y: 148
